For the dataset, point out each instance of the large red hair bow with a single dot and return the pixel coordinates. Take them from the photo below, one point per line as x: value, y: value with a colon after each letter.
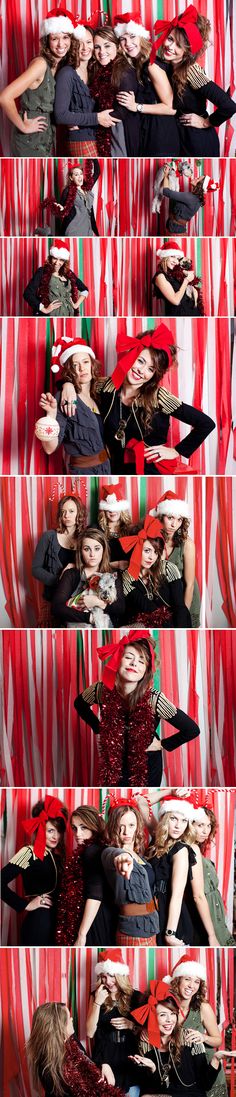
x: 114, y: 653
x: 151, y: 530
x: 187, y: 22
x: 130, y: 347
x: 52, y: 810
x: 160, y: 992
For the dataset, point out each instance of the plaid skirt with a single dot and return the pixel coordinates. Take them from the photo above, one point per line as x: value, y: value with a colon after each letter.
x: 124, y: 939
x: 81, y: 148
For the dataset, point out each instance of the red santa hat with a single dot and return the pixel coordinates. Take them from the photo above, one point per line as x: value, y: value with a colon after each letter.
x: 184, y: 967
x: 130, y: 22
x: 200, y: 816
x: 63, y: 349
x: 110, y: 962
x: 112, y: 498
x: 182, y: 807
x: 59, y: 250
x: 209, y: 184
x: 58, y: 20
x: 170, y: 248
x: 169, y: 504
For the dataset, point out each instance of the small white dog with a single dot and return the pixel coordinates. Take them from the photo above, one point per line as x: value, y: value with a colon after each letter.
x: 106, y: 589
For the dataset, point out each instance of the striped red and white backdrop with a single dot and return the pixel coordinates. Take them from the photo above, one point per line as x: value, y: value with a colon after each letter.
x: 25, y: 183
x: 118, y: 273
x: 28, y: 506
x: 16, y: 805
x: 31, y: 977
x: 205, y: 378
x: 221, y: 552
x: 43, y: 671
x: 21, y: 25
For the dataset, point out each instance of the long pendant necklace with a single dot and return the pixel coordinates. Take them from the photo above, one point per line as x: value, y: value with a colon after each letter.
x: 123, y: 423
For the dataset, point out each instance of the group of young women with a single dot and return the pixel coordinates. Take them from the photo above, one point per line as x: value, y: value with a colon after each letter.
x: 131, y: 880
x: 110, y: 89
x: 115, y: 572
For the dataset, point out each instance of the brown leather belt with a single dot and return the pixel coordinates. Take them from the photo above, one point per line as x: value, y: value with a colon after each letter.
x: 178, y: 220
x: 88, y: 462
x: 138, y: 908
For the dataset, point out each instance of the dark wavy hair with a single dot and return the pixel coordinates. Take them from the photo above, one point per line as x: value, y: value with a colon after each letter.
x: 59, y: 823
x: 73, y: 57
x: 68, y: 373
x: 180, y: 72
x: 147, y: 399
x: 133, y: 698
x: 180, y: 534
x: 65, y: 272
x: 80, y: 520
x: 91, y: 819
x: 113, y: 826
x: 49, y: 57
x: 156, y: 570
x: 198, y: 998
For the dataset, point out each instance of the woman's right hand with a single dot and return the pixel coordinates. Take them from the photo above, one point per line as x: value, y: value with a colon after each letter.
x: 107, y: 1074
x: 39, y: 901
x: 100, y: 995
x: 190, y: 276
x: 48, y: 404
x: 105, y: 119
x: 124, y: 864
x: 143, y: 1062
x: 50, y: 308
x: 68, y: 399
x: 34, y: 125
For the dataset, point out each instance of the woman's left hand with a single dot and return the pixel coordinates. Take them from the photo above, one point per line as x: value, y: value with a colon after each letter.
x: 81, y: 939
x: 88, y: 600
x: 75, y: 304
x: 154, y: 745
x: 192, y: 1036
x: 160, y: 453
x: 195, y: 120
x: 122, y: 1022
x: 127, y: 99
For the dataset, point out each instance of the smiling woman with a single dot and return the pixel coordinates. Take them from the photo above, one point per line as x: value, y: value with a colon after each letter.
x: 33, y: 133
x: 40, y: 865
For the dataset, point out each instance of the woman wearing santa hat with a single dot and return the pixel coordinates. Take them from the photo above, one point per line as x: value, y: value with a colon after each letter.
x: 130, y: 713
x: 136, y: 408
x: 82, y: 432
x: 33, y: 133
x: 39, y: 864
x: 56, y: 547
x: 179, y: 885
x: 152, y: 99
x: 109, y: 1021
x: 54, y: 288
x: 182, y: 41
x: 185, y: 204
x: 205, y: 827
x: 189, y: 983
x: 165, y: 1059
x: 172, y: 283
x: 173, y: 514
x: 152, y: 585
x: 75, y: 106
x: 115, y: 520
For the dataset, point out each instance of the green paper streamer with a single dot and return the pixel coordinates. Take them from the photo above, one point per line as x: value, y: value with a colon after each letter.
x: 143, y: 496
x: 151, y: 973
x: 94, y: 485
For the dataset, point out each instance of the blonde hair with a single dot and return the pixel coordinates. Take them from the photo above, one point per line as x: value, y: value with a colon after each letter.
x: 123, y: 997
x: 162, y: 841
x: 46, y: 1045
x: 124, y: 521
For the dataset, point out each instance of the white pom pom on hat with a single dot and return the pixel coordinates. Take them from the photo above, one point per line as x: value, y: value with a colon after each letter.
x: 59, y: 250
x: 63, y: 349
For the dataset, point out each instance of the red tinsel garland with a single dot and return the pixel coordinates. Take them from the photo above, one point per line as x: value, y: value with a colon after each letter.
x: 141, y: 728
x: 43, y: 290
x: 179, y: 273
x: 82, y: 1076
x: 102, y: 90
x: 71, y: 901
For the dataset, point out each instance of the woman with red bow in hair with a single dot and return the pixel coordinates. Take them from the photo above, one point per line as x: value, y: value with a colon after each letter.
x: 130, y: 712
x: 39, y: 864
x: 182, y: 41
x: 165, y: 1061
x: 150, y: 98
x: 136, y: 408
x: 152, y: 584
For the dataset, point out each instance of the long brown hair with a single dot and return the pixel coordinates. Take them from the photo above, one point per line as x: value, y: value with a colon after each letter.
x: 156, y: 570
x: 73, y: 57
x: 80, y: 515
x: 133, y: 698
x: 91, y: 819
x: 176, y: 1040
x: 94, y: 535
x: 161, y: 840
x: 180, y: 72
x: 147, y: 399
x: 197, y: 999
x: 49, y: 57
x: 46, y: 1046
x: 113, y: 826
x: 197, y: 188
x: 180, y: 534
x: 214, y: 827
x: 68, y: 373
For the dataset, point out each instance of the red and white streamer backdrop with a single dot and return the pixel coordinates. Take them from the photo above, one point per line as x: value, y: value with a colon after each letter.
x: 21, y: 25
x: 31, y: 977
x: 28, y: 507
x: 221, y: 552
x: 204, y: 378
x: 118, y: 273
x: 16, y: 805
x: 24, y: 183
x: 41, y: 673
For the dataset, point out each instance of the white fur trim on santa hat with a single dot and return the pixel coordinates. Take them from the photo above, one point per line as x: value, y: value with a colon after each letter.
x: 56, y: 24
x: 200, y: 816
x: 177, y: 507
x: 206, y: 181
x: 131, y: 28
x: 111, y: 967
x: 59, y: 253
x: 189, y: 967
x: 183, y: 807
x: 79, y: 33
x: 113, y: 504
x: 167, y: 252
x: 62, y: 355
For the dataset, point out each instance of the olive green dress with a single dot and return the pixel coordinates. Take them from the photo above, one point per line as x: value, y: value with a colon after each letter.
x: 219, y: 1088
x: 61, y: 291
x: 177, y: 557
x: 215, y: 903
x: 37, y: 101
